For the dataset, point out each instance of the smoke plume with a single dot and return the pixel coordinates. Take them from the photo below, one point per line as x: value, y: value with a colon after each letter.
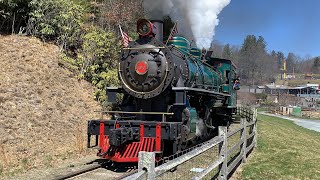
x: 196, y: 19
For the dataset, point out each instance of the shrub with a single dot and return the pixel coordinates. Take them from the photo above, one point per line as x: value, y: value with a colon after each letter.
x: 262, y: 96
x: 69, y: 63
x: 58, y: 20
x: 98, y: 59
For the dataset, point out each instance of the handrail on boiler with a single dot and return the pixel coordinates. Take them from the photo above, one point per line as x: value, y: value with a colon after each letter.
x: 148, y: 113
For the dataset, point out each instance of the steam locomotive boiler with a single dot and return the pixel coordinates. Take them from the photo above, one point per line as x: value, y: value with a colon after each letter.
x: 174, y: 96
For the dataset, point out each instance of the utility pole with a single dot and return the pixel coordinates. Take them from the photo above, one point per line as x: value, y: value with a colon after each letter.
x: 284, y: 69
x: 293, y: 72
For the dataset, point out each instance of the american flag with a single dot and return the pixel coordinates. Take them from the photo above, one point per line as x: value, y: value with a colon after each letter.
x: 173, y: 32
x: 125, y: 37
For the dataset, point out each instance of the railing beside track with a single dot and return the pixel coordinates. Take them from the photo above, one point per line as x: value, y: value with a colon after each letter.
x: 246, y: 143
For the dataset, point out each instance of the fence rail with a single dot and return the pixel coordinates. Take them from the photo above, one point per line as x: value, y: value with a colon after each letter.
x: 247, y: 141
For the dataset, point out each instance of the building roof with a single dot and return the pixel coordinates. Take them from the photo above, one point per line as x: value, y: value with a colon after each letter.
x: 272, y: 86
x: 307, y: 86
x: 312, y: 85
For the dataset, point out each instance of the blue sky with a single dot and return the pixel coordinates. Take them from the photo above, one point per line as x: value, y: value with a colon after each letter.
x: 286, y: 25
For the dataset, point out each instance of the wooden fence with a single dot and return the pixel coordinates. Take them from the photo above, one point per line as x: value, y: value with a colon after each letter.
x: 247, y: 141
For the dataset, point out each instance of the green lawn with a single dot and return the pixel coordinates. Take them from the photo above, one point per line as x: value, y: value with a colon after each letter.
x: 284, y: 151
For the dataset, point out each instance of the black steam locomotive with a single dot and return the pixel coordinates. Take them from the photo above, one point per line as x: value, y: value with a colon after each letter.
x: 174, y: 96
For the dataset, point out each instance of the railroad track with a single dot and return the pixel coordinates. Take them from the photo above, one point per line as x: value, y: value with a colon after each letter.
x: 89, y: 168
x: 104, y: 170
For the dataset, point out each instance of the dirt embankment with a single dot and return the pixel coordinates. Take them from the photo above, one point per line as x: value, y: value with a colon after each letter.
x: 43, y: 108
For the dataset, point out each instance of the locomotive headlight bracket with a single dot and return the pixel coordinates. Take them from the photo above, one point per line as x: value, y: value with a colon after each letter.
x: 145, y: 27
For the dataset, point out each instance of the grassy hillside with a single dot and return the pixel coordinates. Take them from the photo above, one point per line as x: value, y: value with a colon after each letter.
x: 43, y: 108
x: 285, y: 151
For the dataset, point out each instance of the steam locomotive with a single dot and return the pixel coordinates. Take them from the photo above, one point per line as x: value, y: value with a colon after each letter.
x: 173, y: 96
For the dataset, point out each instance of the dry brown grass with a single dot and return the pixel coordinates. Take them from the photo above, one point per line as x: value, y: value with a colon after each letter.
x: 4, y: 158
x: 43, y: 108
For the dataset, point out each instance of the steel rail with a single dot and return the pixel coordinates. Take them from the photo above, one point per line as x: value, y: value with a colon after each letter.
x: 130, y: 174
x: 79, y: 172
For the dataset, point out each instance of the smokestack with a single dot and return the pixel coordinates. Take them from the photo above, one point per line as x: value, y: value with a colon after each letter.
x: 159, y: 26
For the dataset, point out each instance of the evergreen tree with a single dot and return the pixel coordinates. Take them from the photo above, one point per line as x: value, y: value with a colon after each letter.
x: 256, y: 65
x: 261, y: 44
x: 291, y: 61
x: 280, y: 58
x: 316, y: 65
x: 227, y: 54
x: 249, y: 57
x: 274, y: 54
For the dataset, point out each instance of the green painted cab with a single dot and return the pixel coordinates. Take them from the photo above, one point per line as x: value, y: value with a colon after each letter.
x: 228, y: 75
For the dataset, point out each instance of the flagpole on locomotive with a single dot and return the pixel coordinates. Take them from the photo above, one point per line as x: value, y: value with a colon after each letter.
x: 125, y: 37
x: 174, y: 31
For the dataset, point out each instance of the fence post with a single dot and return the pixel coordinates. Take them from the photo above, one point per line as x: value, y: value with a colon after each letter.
x: 255, y: 128
x: 245, y: 111
x: 244, y: 139
x: 147, y: 163
x: 223, y: 148
x: 254, y: 114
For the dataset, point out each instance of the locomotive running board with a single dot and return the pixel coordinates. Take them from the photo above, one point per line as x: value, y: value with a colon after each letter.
x: 212, y: 93
x: 181, y: 93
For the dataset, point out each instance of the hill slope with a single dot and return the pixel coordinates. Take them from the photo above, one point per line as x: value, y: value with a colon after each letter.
x: 43, y: 108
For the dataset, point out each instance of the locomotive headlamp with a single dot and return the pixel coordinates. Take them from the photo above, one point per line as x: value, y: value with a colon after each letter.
x: 141, y: 67
x: 144, y: 27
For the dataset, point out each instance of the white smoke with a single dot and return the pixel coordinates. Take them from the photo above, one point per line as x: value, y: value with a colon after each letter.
x: 196, y: 19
